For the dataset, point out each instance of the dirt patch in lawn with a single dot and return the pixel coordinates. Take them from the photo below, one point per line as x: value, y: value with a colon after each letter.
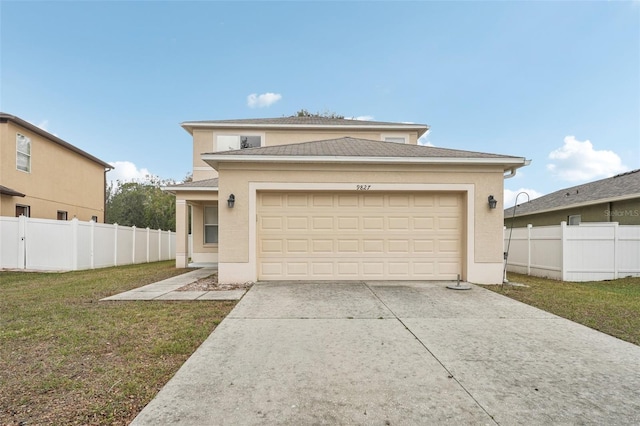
x: 210, y: 283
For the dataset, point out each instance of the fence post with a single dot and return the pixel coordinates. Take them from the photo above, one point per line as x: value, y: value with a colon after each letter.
x: 616, y: 251
x: 563, y: 250
x: 22, y: 242
x: 147, y: 244
x: 529, y: 226
x: 159, y: 244
x: 115, y: 244
x: 133, y: 252
x: 74, y: 244
x: 169, y: 244
x: 92, y: 249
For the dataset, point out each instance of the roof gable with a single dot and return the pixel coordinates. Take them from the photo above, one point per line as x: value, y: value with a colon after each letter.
x: 621, y: 186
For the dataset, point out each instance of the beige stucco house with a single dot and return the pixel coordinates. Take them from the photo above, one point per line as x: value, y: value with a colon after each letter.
x: 312, y: 198
x: 42, y: 176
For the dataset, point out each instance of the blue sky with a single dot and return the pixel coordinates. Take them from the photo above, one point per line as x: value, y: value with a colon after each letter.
x: 556, y: 82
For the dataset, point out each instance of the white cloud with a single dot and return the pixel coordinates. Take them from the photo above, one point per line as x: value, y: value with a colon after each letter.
x: 578, y: 161
x: 510, y: 196
x: 424, y: 139
x: 266, y: 99
x: 361, y: 118
x: 126, y: 171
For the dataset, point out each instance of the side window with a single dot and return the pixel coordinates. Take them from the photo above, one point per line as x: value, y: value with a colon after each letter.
x: 233, y: 142
x: 94, y: 218
x: 574, y: 219
x: 211, y: 224
x: 22, y: 210
x: 62, y: 215
x: 23, y: 153
x: 395, y: 139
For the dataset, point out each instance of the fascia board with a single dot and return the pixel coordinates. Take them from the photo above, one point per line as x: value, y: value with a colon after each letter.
x: 213, y: 160
x: 189, y: 126
x: 188, y: 189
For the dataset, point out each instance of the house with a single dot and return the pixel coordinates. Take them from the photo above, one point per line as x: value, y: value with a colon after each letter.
x: 614, y: 199
x: 42, y: 176
x: 313, y: 198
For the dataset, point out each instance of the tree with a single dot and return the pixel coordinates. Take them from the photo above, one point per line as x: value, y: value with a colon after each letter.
x: 327, y: 114
x: 141, y: 204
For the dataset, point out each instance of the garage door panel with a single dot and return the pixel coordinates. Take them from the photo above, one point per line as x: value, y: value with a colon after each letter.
x: 373, y: 246
x: 323, y: 223
x: 297, y: 246
x: 359, y: 236
x: 322, y: 246
x: 297, y: 223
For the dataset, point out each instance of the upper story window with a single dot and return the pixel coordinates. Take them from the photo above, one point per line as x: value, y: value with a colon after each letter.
x: 396, y: 139
x: 231, y: 142
x: 23, y: 153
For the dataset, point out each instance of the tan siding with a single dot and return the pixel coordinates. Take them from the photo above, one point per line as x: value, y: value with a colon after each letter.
x: 60, y: 179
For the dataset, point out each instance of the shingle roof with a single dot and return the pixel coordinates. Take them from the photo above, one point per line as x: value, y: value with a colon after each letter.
x: 624, y: 185
x: 207, y: 183
x: 354, y: 147
x: 305, y: 122
x: 8, y: 191
x: 4, y: 117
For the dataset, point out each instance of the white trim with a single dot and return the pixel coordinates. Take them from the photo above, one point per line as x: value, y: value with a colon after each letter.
x: 420, y: 128
x: 250, y: 271
x: 202, y: 168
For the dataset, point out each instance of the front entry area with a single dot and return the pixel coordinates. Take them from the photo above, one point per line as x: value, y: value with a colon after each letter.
x: 360, y: 235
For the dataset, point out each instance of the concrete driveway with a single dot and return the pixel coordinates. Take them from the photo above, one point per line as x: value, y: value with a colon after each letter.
x: 398, y: 353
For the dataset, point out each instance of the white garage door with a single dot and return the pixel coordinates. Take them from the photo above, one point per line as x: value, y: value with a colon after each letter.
x: 352, y: 236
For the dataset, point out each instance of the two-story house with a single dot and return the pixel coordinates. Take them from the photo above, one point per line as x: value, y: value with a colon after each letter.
x: 42, y: 176
x: 313, y: 198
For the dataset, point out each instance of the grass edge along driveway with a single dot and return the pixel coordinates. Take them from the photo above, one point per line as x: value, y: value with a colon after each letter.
x: 66, y: 358
x: 612, y: 307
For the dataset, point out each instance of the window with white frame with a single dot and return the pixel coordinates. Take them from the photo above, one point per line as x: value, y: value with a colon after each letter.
x: 211, y: 225
x: 62, y: 215
x: 574, y: 219
x: 23, y: 153
x: 396, y: 139
x: 232, y: 142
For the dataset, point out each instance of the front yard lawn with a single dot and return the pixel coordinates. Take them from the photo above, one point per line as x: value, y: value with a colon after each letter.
x: 66, y: 358
x: 612, y: 307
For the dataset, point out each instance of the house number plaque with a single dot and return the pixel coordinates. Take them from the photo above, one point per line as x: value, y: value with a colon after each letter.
x: 363, y: 187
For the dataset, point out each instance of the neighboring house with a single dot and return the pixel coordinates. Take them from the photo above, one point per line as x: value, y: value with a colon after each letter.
x: 42, y: 176
x: 312, y: 198
x: 614, y: 199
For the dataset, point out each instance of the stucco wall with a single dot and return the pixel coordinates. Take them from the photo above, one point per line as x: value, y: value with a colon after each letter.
x: 59, y: 179
x: 236, y: 178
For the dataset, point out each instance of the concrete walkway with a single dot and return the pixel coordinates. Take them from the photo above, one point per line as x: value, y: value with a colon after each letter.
x: 166, y: 289
x: 398, y: 353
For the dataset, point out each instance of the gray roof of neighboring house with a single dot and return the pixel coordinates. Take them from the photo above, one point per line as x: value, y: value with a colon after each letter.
x: 621, y: 186
x: 4, y: 117
x: 8, y: 191
x: 354, y: 147
x: 305, y: 122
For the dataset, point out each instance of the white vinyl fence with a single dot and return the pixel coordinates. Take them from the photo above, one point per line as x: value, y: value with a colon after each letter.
x: 586, y: 252
x: 54, y: 245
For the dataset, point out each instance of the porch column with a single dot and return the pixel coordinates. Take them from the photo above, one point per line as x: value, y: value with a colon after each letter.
x: 182, y: 234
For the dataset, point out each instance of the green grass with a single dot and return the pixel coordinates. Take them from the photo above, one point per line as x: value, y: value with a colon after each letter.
x: 612, y: 307
x: 66, y: 358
